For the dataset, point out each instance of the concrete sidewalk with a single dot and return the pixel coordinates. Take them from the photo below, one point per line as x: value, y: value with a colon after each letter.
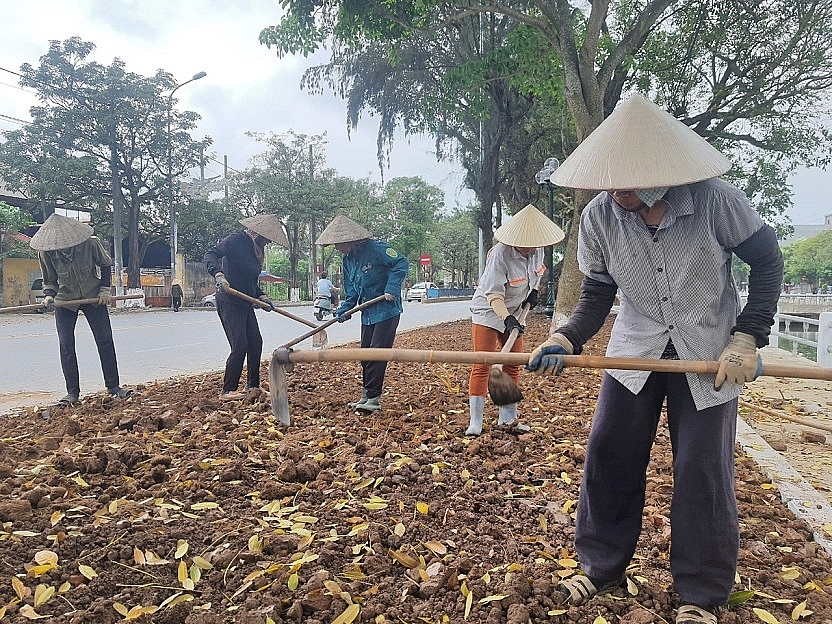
x: 815, y: 397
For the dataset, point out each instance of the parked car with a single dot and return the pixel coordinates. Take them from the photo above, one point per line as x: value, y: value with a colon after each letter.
x: 422, y: 290
x: 36, y: 291
x: 210, y: 301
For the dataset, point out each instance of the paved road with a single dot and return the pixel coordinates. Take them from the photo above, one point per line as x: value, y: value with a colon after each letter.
x: 159, y: 344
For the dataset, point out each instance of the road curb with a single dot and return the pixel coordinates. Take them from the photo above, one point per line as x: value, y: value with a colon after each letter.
x: 800, y: 497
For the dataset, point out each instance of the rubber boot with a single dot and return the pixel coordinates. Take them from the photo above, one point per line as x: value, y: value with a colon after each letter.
x: 370, y: 405
x: 360, y: 401
x: 508, y: 419
x: 508, y: 414
x: 477, y: 407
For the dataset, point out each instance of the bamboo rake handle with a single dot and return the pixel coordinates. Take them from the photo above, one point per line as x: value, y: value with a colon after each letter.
x: 65, y: 304
x: 318, y: 328
x: 266, y: 306
x: 519, y: 359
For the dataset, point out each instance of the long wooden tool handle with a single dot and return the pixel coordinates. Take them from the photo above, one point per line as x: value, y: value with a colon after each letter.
x: 518, y: 359
x: 266, y: 306
x: 318, y: 328
x: 64, y: 304
x: 524, y: 312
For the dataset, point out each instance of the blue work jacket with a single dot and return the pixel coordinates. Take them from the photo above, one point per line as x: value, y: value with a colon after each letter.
x: 370, y: 270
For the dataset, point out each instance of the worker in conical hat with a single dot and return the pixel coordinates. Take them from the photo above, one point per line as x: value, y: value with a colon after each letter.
x: 236, y: 262
x: 76, y: 266
x: 510, y: 281
x: 661, y: 235
x: 371, y: 269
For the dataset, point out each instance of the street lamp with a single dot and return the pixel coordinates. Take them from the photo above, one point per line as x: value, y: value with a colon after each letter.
x: 171, y: 211
x: 542, y: 177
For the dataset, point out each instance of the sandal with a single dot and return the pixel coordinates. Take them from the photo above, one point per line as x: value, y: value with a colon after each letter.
x: 69, y: 400
x: 691, y: 614
x: 578, y: 589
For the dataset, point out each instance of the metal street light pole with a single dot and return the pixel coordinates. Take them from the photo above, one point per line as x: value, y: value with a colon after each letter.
x: 542, y: 177
x: 171, y: 211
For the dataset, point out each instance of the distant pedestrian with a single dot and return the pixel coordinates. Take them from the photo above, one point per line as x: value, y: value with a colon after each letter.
x: 75, y: 266
x: 371, y: 269
x: 176, y: 294
x: 236, y: 262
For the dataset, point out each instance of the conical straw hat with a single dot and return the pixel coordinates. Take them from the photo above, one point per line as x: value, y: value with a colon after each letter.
x: 267, y: 226
x: 59, y: 232
x: 529, y: 228
x: 343, y: 230
x: 640, y: 146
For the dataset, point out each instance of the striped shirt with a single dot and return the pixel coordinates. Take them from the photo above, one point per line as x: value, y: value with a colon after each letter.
x: 676, y: 283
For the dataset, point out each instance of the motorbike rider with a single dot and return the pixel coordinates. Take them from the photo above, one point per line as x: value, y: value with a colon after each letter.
x: 324, y: 287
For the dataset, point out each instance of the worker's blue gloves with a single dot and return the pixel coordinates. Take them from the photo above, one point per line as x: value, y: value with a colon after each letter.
x: 547, y: 358
x: 343, y: 317
x: 532, y: 299
x: 512, y: 323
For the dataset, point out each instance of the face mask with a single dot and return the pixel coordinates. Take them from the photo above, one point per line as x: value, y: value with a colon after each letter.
x: 650, y: 196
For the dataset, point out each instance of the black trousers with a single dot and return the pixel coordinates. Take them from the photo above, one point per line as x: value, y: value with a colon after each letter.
x: 243, y: 333
x: 98, y: 319
x: 703, y: 509
x: 378, y: 336
x: 177, y: 303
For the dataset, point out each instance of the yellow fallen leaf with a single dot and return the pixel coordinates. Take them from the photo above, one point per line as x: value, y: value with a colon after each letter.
x: 293, y: 581
x: 202, y: 564
x: 46, y: 557
x: 765, y: 616
x: 438, y: 548
x: 204, y: 505
x: 182, y: 572
x: 138, y: 556
x: 19, y: 588
x: 181, y: 549
x: 29, y: 613
x: 599, y: 620
x: 43, y: 594
x: 348, y: 615
x: 87, y: 571
x: 399, y: 529
x: 422, y: 508
x: 492, y: 598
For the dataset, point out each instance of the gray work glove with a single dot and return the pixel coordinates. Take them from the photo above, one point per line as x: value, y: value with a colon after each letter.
x: 547, y: 358
x: 389, y: 297
x: 739, y: 362
x: 49, y: 303
x: 265, y: 299
x: 222, y: 283
x: 105, y: 297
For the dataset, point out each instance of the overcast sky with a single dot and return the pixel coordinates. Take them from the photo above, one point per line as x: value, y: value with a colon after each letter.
x: 247, y: 88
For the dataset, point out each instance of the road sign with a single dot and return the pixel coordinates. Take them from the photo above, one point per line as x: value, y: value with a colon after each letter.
x: 424, y: 260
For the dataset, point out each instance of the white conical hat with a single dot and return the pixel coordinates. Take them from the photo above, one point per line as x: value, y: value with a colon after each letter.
x: 529, y: 228
x: 267, y: 226
x: 343, y: 230
x: 640, y: 146
x: 59, y: 232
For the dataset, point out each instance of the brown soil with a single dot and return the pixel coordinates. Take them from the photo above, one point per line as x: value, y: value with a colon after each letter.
x: 172, y: 507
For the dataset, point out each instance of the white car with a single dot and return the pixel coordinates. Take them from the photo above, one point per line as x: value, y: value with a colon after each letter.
x: 210, y: 301
x: 422, y: 290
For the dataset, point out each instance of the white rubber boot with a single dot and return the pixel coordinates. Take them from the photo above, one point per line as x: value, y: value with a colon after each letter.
x: 508, y: 414
x: 508, y: 418
x: 477, y: 407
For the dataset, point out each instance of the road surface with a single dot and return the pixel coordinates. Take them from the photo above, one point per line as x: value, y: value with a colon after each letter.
x: 159, y: 344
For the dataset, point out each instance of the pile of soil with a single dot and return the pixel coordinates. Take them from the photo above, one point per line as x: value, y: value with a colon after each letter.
x: 173, y: 507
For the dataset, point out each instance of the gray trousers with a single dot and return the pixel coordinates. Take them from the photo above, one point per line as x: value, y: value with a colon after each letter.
x: 703, y: 510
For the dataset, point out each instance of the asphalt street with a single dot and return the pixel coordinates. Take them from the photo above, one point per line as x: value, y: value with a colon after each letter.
x: 160, y: 344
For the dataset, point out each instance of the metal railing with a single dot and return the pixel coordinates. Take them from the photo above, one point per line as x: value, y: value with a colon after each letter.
x: 814, y: 335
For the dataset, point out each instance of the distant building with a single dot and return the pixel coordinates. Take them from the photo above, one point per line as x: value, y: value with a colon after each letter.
x: 802, y: 232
